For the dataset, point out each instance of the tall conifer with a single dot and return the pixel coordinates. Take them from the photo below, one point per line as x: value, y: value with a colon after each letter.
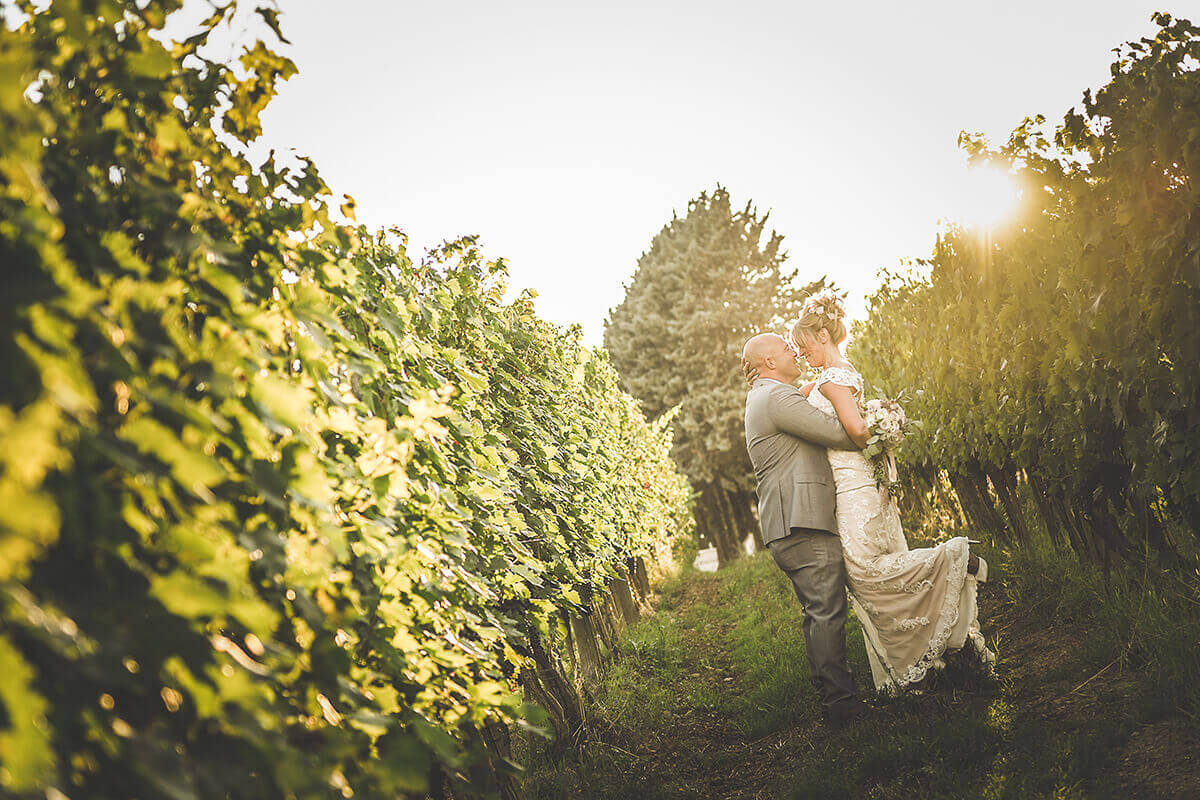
x: 708, y: 282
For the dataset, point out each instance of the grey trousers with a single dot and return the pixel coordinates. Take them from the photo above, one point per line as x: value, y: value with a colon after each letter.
x: 812, y: 559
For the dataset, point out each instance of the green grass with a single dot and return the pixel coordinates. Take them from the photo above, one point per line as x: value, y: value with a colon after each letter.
x: 1143, y: 619
x: 711, y: 698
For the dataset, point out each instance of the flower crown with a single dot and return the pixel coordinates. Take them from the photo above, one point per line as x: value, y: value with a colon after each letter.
x: 825, y: 303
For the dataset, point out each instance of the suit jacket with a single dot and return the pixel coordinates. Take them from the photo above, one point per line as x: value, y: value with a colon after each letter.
x: 787, y: 439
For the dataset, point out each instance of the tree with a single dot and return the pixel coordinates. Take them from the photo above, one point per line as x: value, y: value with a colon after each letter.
x: 708, y: 282
x: 1059, y: 358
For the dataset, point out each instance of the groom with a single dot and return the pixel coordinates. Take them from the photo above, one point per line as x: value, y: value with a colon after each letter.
x: 787, y: 439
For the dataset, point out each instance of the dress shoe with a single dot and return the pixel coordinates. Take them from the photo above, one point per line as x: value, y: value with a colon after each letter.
x: 844, y: 713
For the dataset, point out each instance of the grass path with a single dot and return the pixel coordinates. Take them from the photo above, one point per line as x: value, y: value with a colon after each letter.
x: 709, y: 698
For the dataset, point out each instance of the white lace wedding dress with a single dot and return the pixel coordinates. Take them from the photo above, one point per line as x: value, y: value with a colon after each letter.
x: 914, y: 605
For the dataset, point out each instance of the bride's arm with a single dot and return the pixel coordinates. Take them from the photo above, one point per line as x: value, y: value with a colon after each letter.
x: 844, y: 403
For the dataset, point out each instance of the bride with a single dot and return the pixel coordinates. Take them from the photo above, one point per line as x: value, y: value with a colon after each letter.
x: 914, y: 605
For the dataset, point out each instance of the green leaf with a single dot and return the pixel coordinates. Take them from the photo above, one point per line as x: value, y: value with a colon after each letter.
x: 25, y: 739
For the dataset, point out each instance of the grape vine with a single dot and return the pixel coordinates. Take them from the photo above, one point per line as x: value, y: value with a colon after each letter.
x: 281, y: 512
x: 1059, y: 353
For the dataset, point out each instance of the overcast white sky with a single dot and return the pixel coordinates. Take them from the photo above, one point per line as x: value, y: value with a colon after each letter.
x: 566, y: 134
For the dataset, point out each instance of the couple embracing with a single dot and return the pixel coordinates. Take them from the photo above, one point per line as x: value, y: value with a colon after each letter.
x: 831, y: 528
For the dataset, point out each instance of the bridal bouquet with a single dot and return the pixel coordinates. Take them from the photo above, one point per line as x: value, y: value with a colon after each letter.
x: 887, y: 425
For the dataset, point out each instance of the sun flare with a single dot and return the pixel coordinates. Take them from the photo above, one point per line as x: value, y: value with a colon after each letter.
x: 990, y: 196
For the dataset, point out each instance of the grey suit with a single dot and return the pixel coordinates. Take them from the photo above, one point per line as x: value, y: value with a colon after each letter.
x: 787, y: 439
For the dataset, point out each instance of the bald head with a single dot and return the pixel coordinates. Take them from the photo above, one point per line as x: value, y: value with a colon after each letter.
x: 759, y: 348
x: 770, y: 355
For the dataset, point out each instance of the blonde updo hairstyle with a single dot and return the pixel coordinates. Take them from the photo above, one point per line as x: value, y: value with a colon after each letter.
x: 821, y: 310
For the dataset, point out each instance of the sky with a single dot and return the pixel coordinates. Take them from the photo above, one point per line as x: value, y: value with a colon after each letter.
x: 565, y: 134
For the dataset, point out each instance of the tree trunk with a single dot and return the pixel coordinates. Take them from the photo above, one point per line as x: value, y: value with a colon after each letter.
x: 437, y: 782
x: 1107, y: 539
x: 1151, y: 527
x: 967, y: 501
x: 1042, y: 501
x: 743, y: 504
x: 1005, y: 487
x: 549, y: 688
x: 1075, y: 531
x: 604, y: 619
x: 639, y: 577
x: 728, y: 526
x: 624, y: 597
x: 912, y: 500
x: 589, y: 652
x: 498, y: 743
x: 704, y: 526
x: 971, y: 485
x: 948, y: 498
x: 573, y: 660
x: 727, y: 548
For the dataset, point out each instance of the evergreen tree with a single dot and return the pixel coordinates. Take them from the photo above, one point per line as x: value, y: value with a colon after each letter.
x: 708, y: 282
